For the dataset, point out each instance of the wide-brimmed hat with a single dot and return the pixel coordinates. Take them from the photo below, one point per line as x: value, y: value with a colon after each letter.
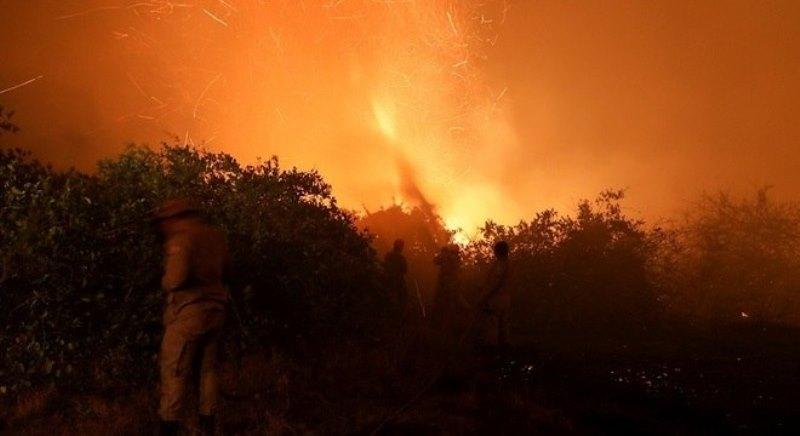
x: 174, y: 207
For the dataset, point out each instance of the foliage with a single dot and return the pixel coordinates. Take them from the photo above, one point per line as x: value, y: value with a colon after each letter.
x: 582, y: 271
x: 423, y: 234
x: 81, y: 261
x: 739, y: 258
x: 6, y: 125
x: 729, y: 259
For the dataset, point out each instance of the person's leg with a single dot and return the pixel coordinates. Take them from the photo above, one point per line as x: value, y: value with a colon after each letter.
x: 437, y: 312
x: 169, y: 428
x: 209, y: 375
x: 209, y: 372
x: 503, y: 332
x: 175, y: 361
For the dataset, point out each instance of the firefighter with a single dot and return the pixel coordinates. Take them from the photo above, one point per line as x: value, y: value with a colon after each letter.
x: 496, y: 302
x: 195, y: 261
x: 395, y: 267
x: 447, y: 287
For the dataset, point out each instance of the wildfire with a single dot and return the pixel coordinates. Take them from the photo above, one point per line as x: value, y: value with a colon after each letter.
x: 385, y: 122
x: 297, y: 78
x: 439, y: 119
x: 462, y: 212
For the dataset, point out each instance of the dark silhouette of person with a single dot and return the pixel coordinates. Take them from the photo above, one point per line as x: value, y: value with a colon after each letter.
x: 196, y: 262
x: 395, y: 268
x: 447, y: 287
x: 496, y: 302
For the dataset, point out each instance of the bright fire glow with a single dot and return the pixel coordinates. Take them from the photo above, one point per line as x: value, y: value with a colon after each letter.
x: 435, y: 111
x: 351, y: 88
x: 385, y: 122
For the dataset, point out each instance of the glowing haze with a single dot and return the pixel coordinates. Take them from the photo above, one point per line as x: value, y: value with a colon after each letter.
x: 480, y: 108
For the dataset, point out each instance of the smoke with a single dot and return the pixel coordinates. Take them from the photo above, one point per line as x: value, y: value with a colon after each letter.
x: 410, y: 188
x: 344, y: 87
x: 496, y: 109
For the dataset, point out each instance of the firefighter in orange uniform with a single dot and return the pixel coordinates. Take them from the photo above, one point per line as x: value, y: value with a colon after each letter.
x: 195, y: 261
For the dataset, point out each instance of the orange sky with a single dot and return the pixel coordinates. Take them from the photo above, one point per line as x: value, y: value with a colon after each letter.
x: 501, y: 109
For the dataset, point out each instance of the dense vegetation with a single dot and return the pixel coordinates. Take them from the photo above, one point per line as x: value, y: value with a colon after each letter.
x: 80, y: 266
x: 81, y: 262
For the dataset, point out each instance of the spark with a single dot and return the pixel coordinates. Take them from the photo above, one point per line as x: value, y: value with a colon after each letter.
x: 228, y: 5
x: 88, y: 11
x: 452, y: 24
x: 280, y: 114
x: 202, y: 94
x: 136, y: 84
x: 505, y: 12
x: 143, y: 38
x: 436, y: 52
x: 215, y: 18
x: 160, y: 7
x: 20, y: 85
x: 502, y: 93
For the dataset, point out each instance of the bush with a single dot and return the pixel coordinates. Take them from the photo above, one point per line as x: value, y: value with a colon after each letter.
x: 580, y: 272
x: 81, y: 262
x: 424, y: 234
x: 739, y: 258
x: 5, y: 122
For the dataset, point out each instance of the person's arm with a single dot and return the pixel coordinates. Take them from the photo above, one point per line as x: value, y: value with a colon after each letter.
x: 176, y: 264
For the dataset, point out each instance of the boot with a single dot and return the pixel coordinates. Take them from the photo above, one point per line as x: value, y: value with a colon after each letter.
x: 208, y: 424
x: 169, y: 428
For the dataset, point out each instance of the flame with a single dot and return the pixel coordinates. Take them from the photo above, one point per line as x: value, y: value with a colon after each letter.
x: 412, y: 71
x: 447, y: 131
x: 385, y: 120
x: 463, y: 212
x: 469, y: 209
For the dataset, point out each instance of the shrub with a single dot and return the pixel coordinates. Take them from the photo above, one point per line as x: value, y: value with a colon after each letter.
x: 81, y: 262
x: 739, y: 258
x: 581, y: 272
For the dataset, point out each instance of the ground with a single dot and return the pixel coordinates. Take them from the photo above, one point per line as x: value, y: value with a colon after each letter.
x: 740, y: 378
